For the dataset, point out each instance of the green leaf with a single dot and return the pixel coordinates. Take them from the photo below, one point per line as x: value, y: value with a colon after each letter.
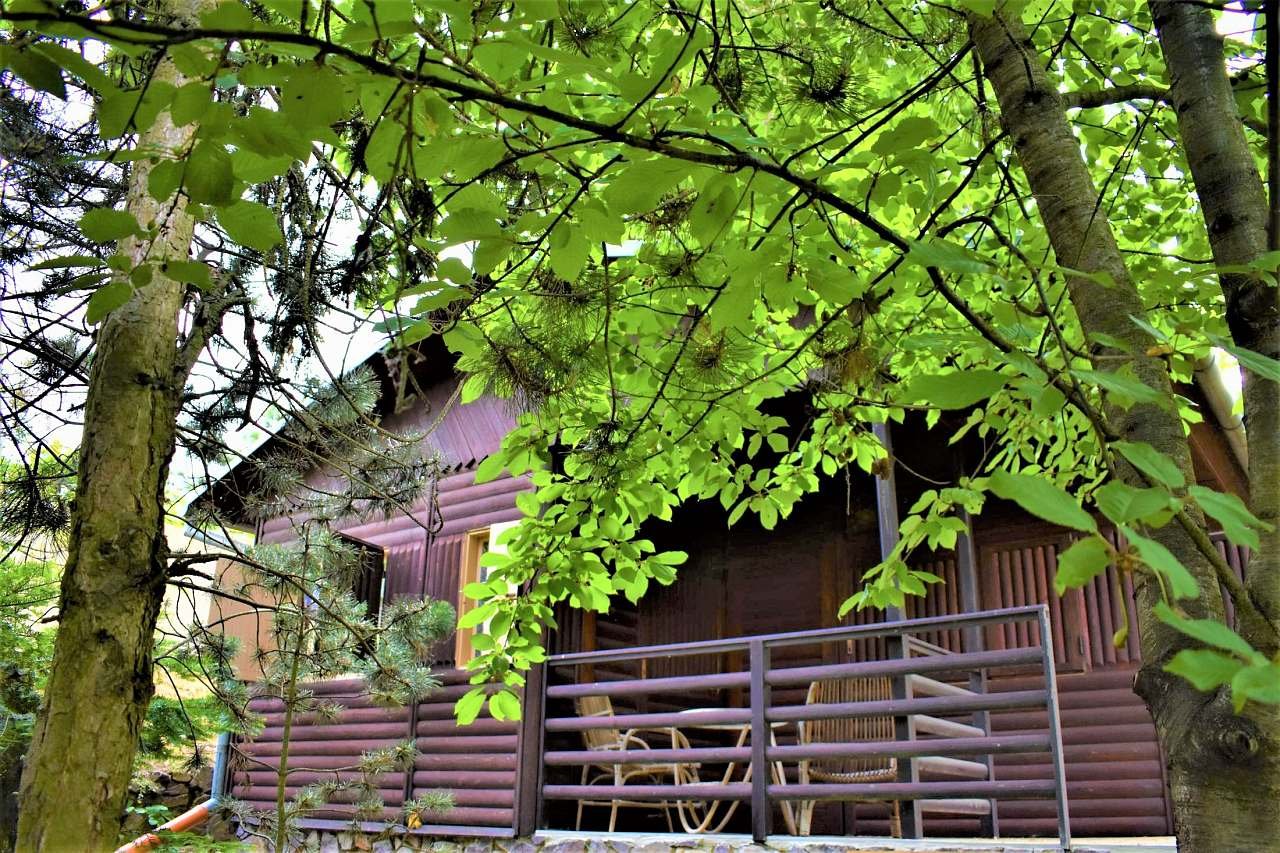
x: 190, y: 103
x: 1237, y: 522
x: 75, y: 64
x: 957, y: 390
x: 490, y: 468
x: 1204, y: 668
x: 38, y: 71
x: 1123, y: 503
x: 478, y: 615
x: 1042, y: 499
x: 907, y: 134
x: 270, y: 135
x: 104, y: 225
x: 314, y: 95
x: 469, y: 706
x: 569, y: 251
x: 935, y: 252
x: 474, y: 387
x: 251, y: 224
x: 164, y: 179
x: 106, y: 299
x: 504, y: 705
x: 1123, y: 390
x: 209, y: 177
x: 1260, y: 682
x: 714, y: 208
x: 1081, y: 563
x: 1151, y: 462
x: 67, y: 261
x: 190, y: 272
x: 1208, y: 631
x: 1162, y: 561
x: 137, y: 109
x: 637, y: 187
x: 229, y: 15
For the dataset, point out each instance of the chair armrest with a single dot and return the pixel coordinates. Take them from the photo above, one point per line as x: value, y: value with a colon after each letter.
x: 678, y: 739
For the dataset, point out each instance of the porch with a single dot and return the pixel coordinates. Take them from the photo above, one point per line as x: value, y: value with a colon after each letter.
x: 892, y: 733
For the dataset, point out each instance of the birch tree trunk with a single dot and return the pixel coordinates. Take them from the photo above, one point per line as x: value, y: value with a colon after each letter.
x: 1224, y: 768
x: 78, y: 768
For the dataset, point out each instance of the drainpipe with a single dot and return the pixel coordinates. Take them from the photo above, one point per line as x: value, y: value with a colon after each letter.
x: 197, y: 815
x: 1209, y: 378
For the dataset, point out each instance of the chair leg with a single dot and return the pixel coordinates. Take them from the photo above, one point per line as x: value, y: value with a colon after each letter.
x: 805, y: 809
x: 578, y: 823
x: 895, y: 822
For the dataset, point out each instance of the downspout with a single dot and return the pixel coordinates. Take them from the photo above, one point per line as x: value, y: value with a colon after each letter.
x: 197, y: 815
x: 1209, y: 378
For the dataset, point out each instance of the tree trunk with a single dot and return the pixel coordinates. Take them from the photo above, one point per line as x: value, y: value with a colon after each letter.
x: 1235, y: 214
x: 1224, y: 768
x: 77, y: 774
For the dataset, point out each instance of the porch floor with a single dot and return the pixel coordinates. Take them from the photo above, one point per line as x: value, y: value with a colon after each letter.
x: 568, y: 841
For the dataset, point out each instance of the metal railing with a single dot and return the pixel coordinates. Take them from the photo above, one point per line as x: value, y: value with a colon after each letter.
x: 931, y: 686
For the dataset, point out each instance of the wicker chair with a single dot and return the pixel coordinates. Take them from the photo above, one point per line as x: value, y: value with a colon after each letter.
x: 863, y: 730
x: 622, y: 774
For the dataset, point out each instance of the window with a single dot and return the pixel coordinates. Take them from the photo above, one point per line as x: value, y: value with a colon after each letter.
x: 370, y: 575
x: 370, y: 580
x: 476, y: 544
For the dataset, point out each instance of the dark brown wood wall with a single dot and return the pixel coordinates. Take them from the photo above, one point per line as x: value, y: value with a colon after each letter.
x: 419, y: 562
x: 476, y: 763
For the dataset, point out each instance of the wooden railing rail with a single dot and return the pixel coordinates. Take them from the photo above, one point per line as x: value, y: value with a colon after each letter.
x: 932, y: 685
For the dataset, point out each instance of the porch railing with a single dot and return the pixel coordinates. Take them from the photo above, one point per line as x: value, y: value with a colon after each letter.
x: 931, y: 686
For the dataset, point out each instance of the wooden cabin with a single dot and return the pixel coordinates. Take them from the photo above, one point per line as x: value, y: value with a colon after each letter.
x: 746, y: 582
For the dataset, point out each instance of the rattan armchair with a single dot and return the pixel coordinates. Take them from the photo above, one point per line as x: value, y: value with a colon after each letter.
x: 859, y: 730
x: 622, y: 774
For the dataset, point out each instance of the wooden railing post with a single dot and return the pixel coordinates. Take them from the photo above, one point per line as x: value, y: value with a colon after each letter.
x: 973, y: 641
x: 760, y: 810
x: 904, y: 729
x: 1055, y: 730
x: 528, y: 811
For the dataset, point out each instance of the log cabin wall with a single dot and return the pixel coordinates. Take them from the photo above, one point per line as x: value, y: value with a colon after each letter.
x: 478, y: 763
x: 424, y: 546
x: 748, y: 581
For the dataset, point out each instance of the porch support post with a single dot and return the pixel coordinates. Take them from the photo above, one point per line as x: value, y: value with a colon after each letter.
x: 887, y: 508
x: 973, y: 641
x: 904, y: 726
x: 528, y: 811
x: 760, y: 810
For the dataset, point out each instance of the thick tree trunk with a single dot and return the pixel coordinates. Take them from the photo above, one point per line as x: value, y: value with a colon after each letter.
x: 1235, y: 213
x: 77, y: 773
x: 1224, y: 768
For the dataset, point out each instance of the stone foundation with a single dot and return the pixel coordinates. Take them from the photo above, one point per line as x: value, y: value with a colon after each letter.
x: 316, y: 841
